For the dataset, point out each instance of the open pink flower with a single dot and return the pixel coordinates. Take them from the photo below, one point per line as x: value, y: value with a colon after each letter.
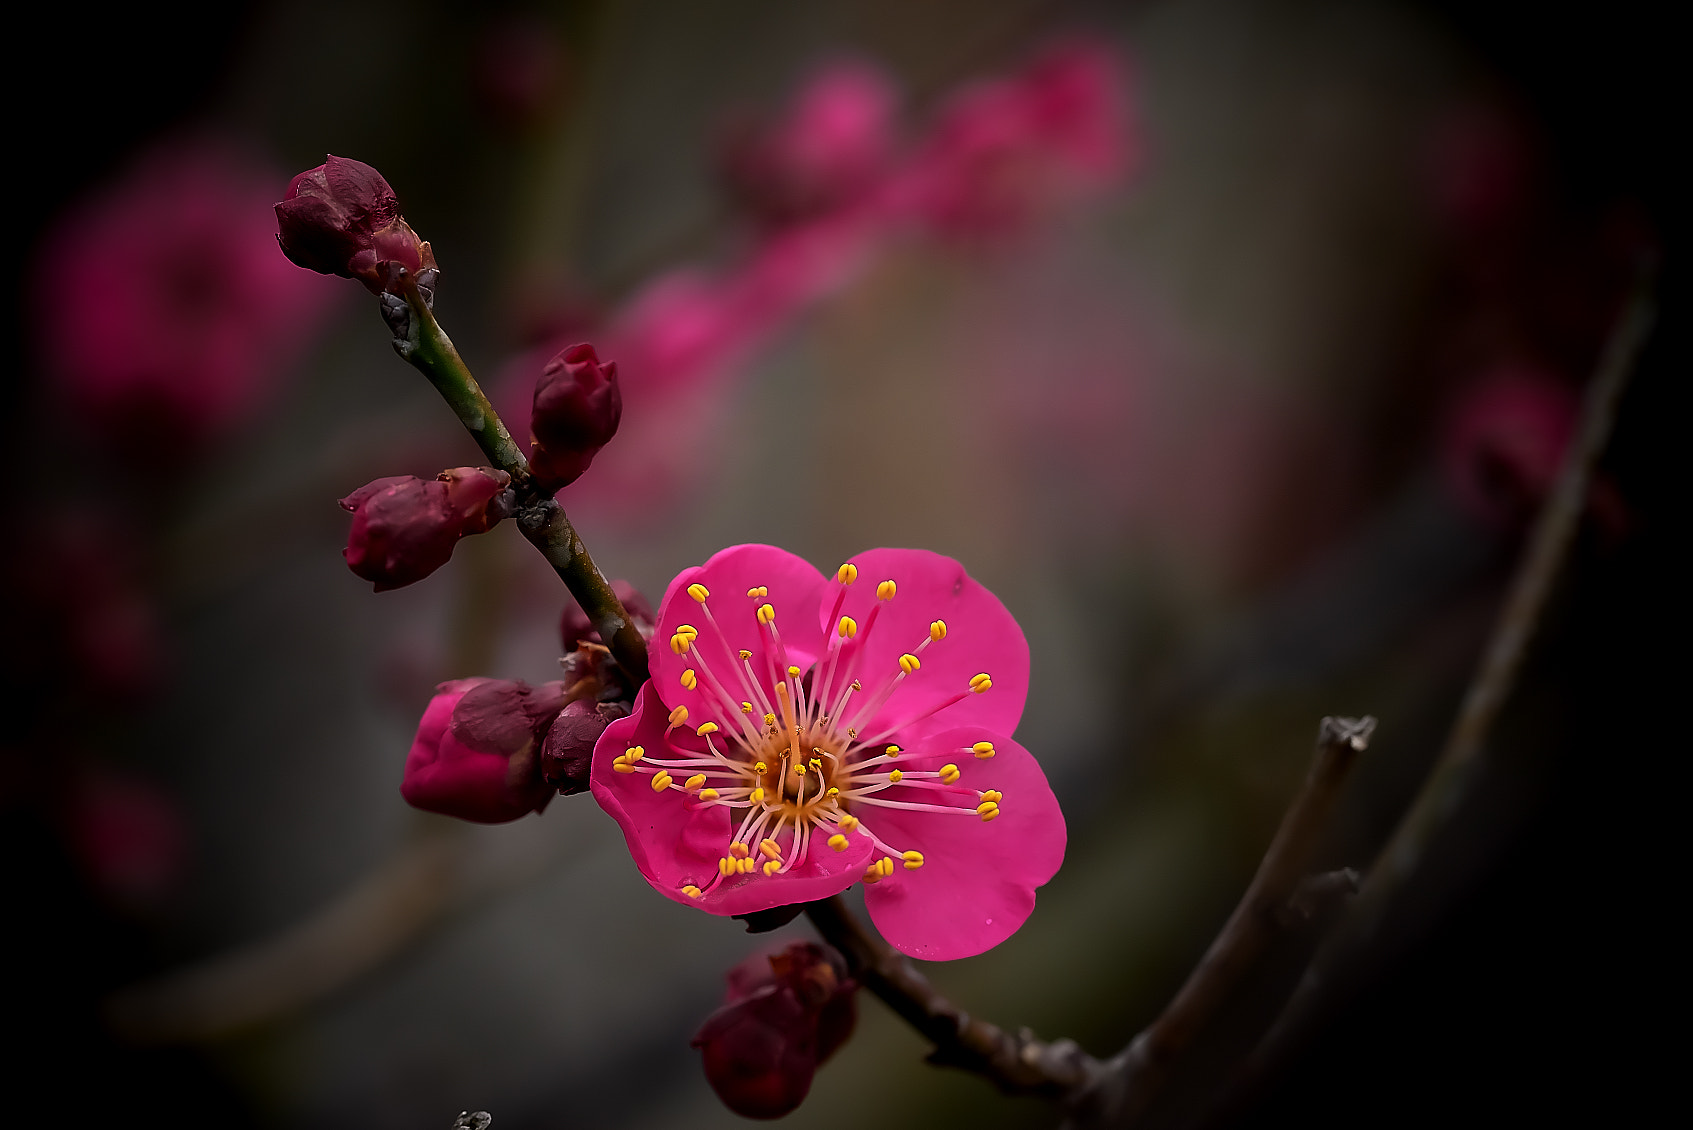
x: 802, y: 733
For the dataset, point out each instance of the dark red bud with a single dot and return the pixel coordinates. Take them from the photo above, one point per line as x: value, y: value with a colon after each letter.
x: 574, y: 628
x: 578, y: 406
x: 405, y: 528
x: 568, y: 750
x: 786, y: 1013
x: 475, y: 753
x: 342, y: 218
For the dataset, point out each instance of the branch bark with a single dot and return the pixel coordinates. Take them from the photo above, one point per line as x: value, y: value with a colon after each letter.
x: 1017, y: 1064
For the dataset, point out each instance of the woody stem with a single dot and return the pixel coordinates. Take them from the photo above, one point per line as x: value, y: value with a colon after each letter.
x: 428, y: 348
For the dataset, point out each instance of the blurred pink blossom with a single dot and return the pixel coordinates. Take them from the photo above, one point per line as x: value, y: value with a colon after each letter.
x: 166, y: 314
x: 831, y: 149
x: 1003, y: 150
x: 128, y: 834
x: 1504, y: 447
x: 830, y: 188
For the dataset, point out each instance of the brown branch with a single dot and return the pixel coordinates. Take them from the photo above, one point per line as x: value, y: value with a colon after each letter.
x: 1136, y: 1076
x: 1452, y: 778
x: 1018, y: 1064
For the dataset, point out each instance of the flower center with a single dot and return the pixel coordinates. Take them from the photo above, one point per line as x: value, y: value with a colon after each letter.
x: 800, y: 756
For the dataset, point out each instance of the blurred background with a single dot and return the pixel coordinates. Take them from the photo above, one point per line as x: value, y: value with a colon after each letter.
x: 1233, y: 345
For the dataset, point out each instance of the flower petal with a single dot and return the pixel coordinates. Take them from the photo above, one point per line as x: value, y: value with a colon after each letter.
x: 978, y: 879
x: 981, y: 637
x: 676, y: 842
x: 795, y: 586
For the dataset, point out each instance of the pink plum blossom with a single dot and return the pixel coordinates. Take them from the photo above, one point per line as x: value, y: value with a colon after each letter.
x: 165, y: 313
x: 803, y: 733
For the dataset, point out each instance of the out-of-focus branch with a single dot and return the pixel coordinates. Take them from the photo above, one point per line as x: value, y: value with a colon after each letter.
x: 1450, y: 781
x: 249, y: 986
x: 1017, y: 1064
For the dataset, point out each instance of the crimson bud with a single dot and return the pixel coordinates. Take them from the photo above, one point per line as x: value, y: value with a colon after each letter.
x: 342, y: 218
x: 405, y: 528
x: 578, y: 406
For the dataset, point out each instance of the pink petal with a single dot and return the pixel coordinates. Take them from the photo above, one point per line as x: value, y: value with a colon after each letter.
x: 795, y: 588
x: 981, y: 637
x: 977, y: 883
x: 676, y: 844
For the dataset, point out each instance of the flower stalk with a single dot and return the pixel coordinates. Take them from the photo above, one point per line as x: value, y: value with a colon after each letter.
x: 420, y: 340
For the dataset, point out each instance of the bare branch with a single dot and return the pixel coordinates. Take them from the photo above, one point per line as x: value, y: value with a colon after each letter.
x: 1450, y: 781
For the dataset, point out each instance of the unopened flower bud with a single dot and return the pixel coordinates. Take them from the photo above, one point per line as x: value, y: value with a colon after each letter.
x: 574, y: 628
x: 342, y: 218
x: 405, y: 528
x: 578, y: 406
x: 785, y: 1014
x: 475, y: 753
x: 568, y: 750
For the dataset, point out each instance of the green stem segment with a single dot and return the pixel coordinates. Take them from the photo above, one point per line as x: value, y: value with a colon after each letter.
x: 428, y: 348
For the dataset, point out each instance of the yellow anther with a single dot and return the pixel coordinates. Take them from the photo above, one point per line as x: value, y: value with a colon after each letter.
x: 772, y: 867
x: 848, y: 822
x: 847, y: 573
x: 679, y: 716
x: 726, y: 867
x: 746, y: 866
x: 769, y: 719
x: 987, y: 810
x: 887, y: 865
x: 983, y: 750
x: 886, y: 590
x: 892, y: 751
x: 980, y: 683
x: 745, y: 655
x: 694, y: 782
x: 690, y: 680
x: 699, y: 592
x: 937, y: 630
x: 848, y: 627
x: 708, y: 794
x: 691, y: 891
x: 635, y: 752
x: 895, y: 775
x: 990, y: 815
x: 993, y: 795
x: 834, y: 793
x: 816, y: 763
x: 839, y: 842
x: 793, y: 672
x: 739, y: 850
x: 766, y: 614
x: 799, y: 767
x: 706, y: 728
x: 621, y: 767
x: 857, y: 686
x: 758, y: 591
x: 760, y: 767
x: 661, y: 781
x: 757, y: 797
x: 680, y: 643
x: 949, y: 773
x: 770, y: 848
x: 872, y: 874
x: 909, y: 663
x: 746, y: 708
x: 688, y: 630
x: 913, y: 860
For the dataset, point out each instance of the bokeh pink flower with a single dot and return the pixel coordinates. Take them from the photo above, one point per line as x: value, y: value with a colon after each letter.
x: 801, y: 734
x: 165, y: 314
